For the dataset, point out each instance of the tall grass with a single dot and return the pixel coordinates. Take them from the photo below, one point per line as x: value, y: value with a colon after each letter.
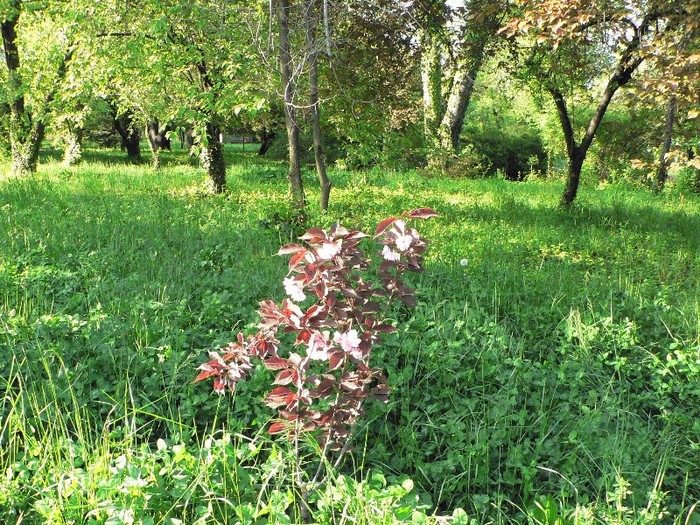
x: 554, y: 377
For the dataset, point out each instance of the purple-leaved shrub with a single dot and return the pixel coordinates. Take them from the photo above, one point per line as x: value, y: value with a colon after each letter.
x: 335, y: 313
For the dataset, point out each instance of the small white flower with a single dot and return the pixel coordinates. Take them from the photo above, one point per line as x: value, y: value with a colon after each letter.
x: 403, y: 242
x: 390, y: 255
x: 293, y: 290
x: 464, y: 262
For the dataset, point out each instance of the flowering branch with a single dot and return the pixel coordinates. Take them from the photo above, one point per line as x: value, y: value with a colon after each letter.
x: 334, y: 313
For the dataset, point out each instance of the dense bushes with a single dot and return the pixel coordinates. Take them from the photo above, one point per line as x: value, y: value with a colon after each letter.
x: 515, y: 153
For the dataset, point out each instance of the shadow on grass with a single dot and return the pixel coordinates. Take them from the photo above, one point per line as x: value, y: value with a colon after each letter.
x: 234, y: 153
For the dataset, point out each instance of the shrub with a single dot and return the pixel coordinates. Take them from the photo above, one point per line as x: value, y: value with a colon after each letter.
x: 515, y: 153
x: 321, y: 387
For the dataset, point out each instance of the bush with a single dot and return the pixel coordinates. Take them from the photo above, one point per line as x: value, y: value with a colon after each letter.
x: 515, y: 153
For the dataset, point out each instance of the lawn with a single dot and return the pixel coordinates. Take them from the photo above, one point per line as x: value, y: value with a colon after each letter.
x: 553, y: 378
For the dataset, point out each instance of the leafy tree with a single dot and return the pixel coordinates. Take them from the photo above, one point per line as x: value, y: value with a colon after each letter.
x: 453, y: 45
x: 569, y: 45
x: 372, y: 94
x: 28, y: 95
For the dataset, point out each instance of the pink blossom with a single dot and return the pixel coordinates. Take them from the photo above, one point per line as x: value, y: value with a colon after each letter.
x: 293, y: 289
x: 350, y: 342
x: 390, y: 255
x: 327, y: 251
x: 318, y: 347
x: 403, y: 242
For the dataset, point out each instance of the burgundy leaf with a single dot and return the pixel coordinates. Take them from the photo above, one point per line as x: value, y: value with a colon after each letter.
x: 314, y: 235
x: 284, y: 377
x: 205, y: 375
x: 291, y: 248
x: 296, y: 259
x: 276, y: 363
x: 408, y: 300
x: 277, y: 427
x: 422, y: 213
x: 303, y: 337
x: 280, y: 396
x: 336, y: 360
x: 384, y: 225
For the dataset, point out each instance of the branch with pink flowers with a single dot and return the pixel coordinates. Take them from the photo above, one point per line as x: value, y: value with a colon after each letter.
x: 335, y: 314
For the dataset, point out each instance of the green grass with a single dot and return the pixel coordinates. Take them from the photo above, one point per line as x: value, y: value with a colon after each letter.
x: 555, y: 377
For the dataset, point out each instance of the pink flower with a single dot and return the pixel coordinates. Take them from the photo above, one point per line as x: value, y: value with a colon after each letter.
x: 318, y: 347
x: 390, y: 255
x: 293, y: 289
x: 327, y: 251
x: 350, y: 342
x: 403, y: 242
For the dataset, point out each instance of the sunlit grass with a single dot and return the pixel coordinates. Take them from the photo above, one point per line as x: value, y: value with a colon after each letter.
x: 553, y: 376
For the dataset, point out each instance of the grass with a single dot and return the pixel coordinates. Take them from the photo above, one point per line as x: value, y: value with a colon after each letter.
x: 553, y: 379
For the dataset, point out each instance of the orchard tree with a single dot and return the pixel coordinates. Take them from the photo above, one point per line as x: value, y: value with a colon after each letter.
x: 373, y: 91
x: 182, y: 63
x: 672, y: 79
x: 454, y: 39
x: 34, y: 72
x: 568, y: 46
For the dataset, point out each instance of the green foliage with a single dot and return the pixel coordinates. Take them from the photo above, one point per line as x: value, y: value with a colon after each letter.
x: 505, y: 132
x: 553, y: 378
x: 515, y: 154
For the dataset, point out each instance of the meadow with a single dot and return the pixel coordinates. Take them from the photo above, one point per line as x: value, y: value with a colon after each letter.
x: 552, y: 379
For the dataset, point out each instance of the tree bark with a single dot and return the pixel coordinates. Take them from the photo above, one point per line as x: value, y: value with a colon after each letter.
x: 186, y: 139
x: 462, y: 87
x: 662, y: 170
x: 315, y: 113
x: 212, y: 159
x: 267, y: 138
x: 25, y: 133
x: 129, y: 133
x: 158, y: 140
x: 626, y: 66
x: 431, y: 78
x: 73, y: 151
x: 289, y: 87
x: 577, y: 151
x: 695, y: 181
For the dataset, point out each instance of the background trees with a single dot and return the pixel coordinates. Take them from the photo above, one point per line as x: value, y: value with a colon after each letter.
x: 361, y: 85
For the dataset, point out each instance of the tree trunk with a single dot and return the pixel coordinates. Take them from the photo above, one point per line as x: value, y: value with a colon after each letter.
x: 186, y: 139
x: 315, y: 112
x: 288, y: 87
x: 130, y: 135
x: 626, y: 66
x: 462, y: 87
x: 662, y: 171
x: 695, y: 181
x: 73, y: 151
x: 267, y: 138
x: 158, y: 140
x: 431, y: 78
x: 25, y: 134
x: 573, y: 177
x: 212, y: 159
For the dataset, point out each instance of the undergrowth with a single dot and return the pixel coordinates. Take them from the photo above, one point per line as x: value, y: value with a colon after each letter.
x: 553, y: 378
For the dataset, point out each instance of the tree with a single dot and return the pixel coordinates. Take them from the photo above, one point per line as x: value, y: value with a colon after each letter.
x: 314, y: 103
x: 453, y: 45
x: 125, y: 124
x: 290, y: 114
x: 28, y: 118
x: 568, y: 42
x: 372, y: 92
